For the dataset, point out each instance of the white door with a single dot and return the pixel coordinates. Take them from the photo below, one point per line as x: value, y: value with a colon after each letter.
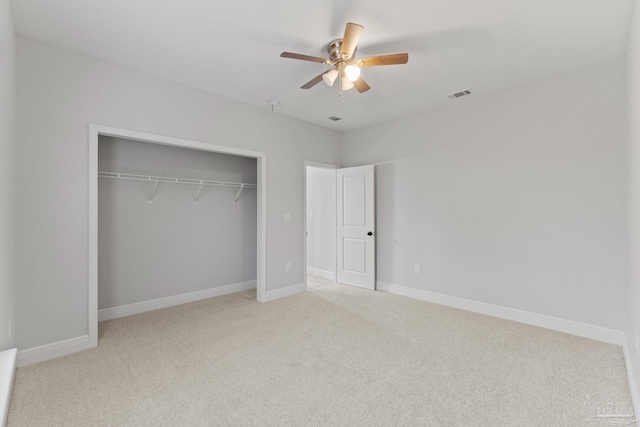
x: 356, y: 237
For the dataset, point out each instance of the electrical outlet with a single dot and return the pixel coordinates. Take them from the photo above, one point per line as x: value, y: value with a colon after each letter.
x: 637, y: 345
x: 287, y: 267
x: 311, y: 215
x: 416, y: 268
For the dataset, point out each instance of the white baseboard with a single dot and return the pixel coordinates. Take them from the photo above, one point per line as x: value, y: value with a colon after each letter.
x: 155, y: 304
x: 633, y: 386
x: 53, y: 350
x: 598, y: 333
x: 7, y: 373
x: 285, y: 292
x: 73, y: 345
x: 324, y: 274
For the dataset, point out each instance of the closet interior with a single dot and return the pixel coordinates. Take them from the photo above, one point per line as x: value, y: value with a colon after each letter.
x: 172, y: 221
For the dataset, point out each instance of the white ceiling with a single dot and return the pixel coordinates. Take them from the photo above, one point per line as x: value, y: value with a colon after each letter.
x: 232, y: 48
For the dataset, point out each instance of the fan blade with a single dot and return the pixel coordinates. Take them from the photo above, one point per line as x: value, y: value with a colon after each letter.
x: 350, y: 39
x: 372, y: 61
x: 312, y: 83
x: 302, y: 57
x: 361, y: 85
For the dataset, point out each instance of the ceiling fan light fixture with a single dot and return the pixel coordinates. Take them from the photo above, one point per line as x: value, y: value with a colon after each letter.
x: 329, y: 77
x: 346, y: 83
x: 346, y: 67
x: 352, y: 72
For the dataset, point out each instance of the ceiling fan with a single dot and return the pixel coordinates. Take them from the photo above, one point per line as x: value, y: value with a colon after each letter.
x: 346, y: 65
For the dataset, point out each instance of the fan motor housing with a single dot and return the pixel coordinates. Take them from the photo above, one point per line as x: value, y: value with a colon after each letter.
x: 333, y: 49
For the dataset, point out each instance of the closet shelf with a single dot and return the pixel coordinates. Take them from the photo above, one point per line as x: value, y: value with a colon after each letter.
x: 164, y: 179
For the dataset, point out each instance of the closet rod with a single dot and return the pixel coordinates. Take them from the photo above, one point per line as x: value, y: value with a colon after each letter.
x: 157, y: 179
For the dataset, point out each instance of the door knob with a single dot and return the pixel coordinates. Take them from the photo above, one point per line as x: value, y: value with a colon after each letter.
x: 370, y: 233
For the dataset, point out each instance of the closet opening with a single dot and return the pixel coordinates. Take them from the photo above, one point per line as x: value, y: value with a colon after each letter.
x: 171, y: 221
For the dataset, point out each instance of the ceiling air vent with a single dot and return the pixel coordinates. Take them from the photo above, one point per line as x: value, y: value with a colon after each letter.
x: 460, y: 94
x: 334, y: 118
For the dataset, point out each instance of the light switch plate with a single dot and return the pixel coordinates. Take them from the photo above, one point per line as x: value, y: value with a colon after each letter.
x: 287, y: 217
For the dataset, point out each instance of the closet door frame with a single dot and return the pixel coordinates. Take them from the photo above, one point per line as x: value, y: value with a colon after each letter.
x: 99, y: 130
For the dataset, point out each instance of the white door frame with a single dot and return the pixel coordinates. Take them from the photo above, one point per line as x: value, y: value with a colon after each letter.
x: 304, y: 234
x: 94, y: 132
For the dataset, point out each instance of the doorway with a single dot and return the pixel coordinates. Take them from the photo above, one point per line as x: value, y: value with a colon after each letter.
x: 320, y: 222
x: 340, y: 236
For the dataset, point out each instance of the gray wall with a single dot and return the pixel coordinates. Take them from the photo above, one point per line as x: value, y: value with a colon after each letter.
x: 171, y: 246
x: 516, y: 199
x: 7, y: 157
x: 633, y: 115
x: 59, y: 93
x: 321, y: 229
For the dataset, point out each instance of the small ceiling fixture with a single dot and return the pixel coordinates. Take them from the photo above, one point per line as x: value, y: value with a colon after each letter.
x: 342, y: 56
x: 460, y: 94
x: 334, y: 118
x: 274, y: 104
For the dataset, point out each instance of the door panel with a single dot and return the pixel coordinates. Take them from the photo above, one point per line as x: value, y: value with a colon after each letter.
x: 354, y: 205
x: 356, y: 231
x: 355, y: 252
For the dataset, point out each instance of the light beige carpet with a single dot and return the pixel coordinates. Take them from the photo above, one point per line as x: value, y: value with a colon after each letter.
x: 334, y: 356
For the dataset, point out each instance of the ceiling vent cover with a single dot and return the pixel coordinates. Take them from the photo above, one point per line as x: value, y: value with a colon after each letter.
x: 460, y: 94
x: 334, y: 118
